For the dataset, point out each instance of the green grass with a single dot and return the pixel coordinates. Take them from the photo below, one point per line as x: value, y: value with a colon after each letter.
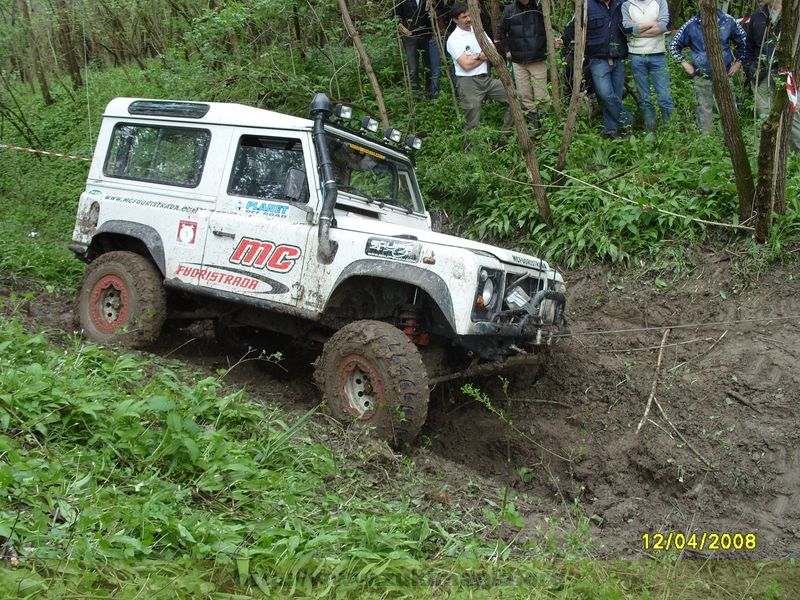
x: 125, y: 476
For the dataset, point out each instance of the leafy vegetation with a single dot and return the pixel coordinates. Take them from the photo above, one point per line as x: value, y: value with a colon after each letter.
x: 121, y: 477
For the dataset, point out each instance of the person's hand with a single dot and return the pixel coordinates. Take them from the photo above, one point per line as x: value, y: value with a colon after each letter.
x: 405, y: 31
x: 734, y: 68
x: 558, y: 42
x: 689, y: 68
x: 508, y: 55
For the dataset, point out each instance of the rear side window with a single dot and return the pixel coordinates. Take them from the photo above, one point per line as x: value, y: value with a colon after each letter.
x: 261, y: 165
x: 158, y: 154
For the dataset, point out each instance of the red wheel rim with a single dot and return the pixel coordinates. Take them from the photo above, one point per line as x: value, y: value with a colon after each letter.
x: 109, y: 304
x: 361, y: 386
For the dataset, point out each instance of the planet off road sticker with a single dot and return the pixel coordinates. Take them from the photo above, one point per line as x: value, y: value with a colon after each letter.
x: 263, y: 254
x: 393, y: 249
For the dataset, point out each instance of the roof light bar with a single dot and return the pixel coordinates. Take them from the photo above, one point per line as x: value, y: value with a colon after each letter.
x: 393, y: 134
x: 369, y: 124
x: 344, y: 112
x: 413, y: 142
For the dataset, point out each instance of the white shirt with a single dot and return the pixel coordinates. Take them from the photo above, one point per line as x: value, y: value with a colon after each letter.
x: 464, y: 42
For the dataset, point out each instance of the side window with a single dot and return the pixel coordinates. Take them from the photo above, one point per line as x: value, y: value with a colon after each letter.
x: 261, y: 165
x: 158, y: 154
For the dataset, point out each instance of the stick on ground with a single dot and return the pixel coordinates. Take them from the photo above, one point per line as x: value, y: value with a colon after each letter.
x: 655, y: 381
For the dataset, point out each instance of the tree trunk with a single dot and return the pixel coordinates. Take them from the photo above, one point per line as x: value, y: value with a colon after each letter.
x: 525, y: 142
x: 68, y: 45
x: 577, y: 79
x: 440, y: 42
x: 770, y: 194
x: 362, y: 52
x: 555, y: 92
x: 37, y: 59
x: 494, y: 17
x: 727, y: 109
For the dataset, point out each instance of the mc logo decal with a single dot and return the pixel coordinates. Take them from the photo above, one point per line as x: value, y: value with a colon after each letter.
x: 261, y: 254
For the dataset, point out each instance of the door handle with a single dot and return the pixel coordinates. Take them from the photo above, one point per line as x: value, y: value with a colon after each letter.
x: 220, y: 233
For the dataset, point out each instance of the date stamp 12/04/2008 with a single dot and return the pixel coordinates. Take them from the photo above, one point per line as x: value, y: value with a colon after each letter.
x: 700, y: 541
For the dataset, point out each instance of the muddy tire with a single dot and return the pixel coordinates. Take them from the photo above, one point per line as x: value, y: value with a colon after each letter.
x: 121, y: 300
x: 371, y: 375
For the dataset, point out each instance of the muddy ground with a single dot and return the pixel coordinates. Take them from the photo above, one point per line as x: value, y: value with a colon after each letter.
x: 718, y: 452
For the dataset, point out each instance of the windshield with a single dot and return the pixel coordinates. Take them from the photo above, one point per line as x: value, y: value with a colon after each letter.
x: 374, y: 176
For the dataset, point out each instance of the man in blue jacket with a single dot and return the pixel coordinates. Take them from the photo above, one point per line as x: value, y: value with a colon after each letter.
x: 606, y: 51
x: 691, y: 36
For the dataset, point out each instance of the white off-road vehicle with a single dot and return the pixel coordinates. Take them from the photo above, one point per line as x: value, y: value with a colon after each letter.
x: 273, y: 225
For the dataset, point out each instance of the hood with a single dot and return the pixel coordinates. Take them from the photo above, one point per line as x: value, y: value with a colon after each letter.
x: 441, y: 239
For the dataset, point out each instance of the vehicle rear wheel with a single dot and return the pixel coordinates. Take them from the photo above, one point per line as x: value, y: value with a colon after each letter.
x: 121, y: 300
x: 372, y: 375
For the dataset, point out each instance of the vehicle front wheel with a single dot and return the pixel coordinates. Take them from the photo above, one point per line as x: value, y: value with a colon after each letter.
x: 121, y: 300
x: 372, y: 375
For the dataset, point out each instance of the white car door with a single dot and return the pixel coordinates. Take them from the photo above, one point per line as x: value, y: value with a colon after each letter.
x: 257, y: 238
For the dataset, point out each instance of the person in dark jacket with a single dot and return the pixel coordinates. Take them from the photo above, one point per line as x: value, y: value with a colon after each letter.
x: 761, y: 62
x: 690, y: 35
x: 415, y: 27
x: 522, y: 33
x: 606, y: 51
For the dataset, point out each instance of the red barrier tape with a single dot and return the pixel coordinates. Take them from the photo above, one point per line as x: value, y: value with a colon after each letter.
x: 42, y: 152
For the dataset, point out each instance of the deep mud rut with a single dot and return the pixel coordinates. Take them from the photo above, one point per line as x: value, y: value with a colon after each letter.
x: 720, y: 455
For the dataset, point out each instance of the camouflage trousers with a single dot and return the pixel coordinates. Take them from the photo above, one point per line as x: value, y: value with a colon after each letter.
x: 764, y: 93
x: 704, y: 103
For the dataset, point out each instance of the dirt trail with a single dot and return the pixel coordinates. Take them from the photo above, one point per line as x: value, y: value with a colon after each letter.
x: 723, y: 457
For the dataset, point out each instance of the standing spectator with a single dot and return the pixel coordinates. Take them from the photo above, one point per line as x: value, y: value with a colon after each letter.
x: 761, y: 63
x: 691, y: 36
x: 522, y: 33
x: 415, y: 27
x: 472, y: 70
x: 606, y: 50
x: 645, y: 22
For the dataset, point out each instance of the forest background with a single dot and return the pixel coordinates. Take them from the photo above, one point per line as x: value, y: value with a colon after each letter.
x: 629, y: 201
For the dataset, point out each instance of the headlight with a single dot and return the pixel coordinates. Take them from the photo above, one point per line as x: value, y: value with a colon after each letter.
x: 488, y: 292
x: 487, y: 288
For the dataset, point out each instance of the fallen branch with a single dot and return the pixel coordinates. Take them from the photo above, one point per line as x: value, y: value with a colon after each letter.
x: 491, y: 368
x: 680, y: 435
x: 646, y: 348
x: 704, y: 352
x: 655, y: 381
x: 540, y: 401
x: 745, y: 401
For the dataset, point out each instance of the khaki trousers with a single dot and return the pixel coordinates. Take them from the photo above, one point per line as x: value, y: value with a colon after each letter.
x: 474, y: 90
x: 531, y: 83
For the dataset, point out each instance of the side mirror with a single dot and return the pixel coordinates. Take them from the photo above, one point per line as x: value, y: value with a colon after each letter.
x: 295, y: 185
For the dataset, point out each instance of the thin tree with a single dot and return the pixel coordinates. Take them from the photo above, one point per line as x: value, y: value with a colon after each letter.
x: 68, y: 45
x: 362, y: 53
x: 437, y: 34
x: 38, y: 67
x: 770, y: 195
x: 555, y: 92
x: 577, y: 80
x: 525, y: 142
x: 727, y: 109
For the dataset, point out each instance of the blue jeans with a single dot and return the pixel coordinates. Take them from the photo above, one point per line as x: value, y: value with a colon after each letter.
x: 609, y: 84
x: 430, y: 51
x: 647, y: 68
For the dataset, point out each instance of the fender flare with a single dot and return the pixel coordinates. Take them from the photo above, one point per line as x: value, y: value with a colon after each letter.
x: 144, y: 233
x: 429, y: 282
